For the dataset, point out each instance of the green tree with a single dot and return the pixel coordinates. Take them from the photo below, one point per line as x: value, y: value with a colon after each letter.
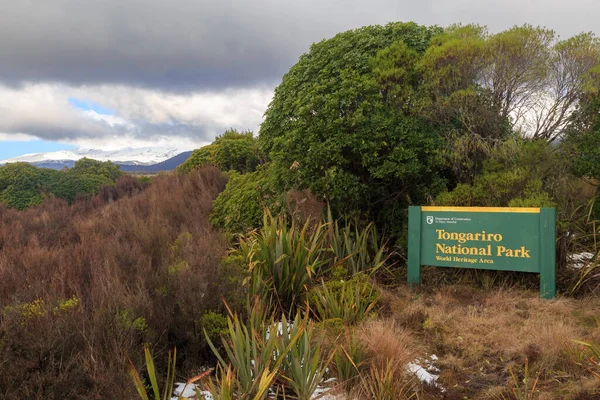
x: 87, y: 166
x: 240, y: 207
x: 232, y: 150
x: 582, y: 140
x: 334, y: 125
x: 23, y: 185
x: 20, y: 185
x: 524, y: 76
x: 68, y: 185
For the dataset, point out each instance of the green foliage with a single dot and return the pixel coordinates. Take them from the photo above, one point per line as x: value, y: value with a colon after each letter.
x: 214, y: 325
x: 152, y: 375
x: 514, y: 187
x: 20, y: 185
x: 304, y: 363
x: 582, y: 140
x: 332, y: 129
x: 252, y: 360
x: 23, y: 185
x: 282, y: 261
x: 69, y: 305
x: 351, y: 301
x: 68, y: 184
x: 263, y: 355
x: 241, y: 205
x: 350, y: 361
x: 26, y: 311
x: 127, y: 321
x: 107, y: 169
x: 232, y: 150
x: 488, y: 85
x: 356, y: 250
x: 518, y: 174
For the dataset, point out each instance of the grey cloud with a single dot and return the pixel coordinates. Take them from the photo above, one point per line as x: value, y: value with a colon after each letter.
x: 188, y: 45
x: 43, y: 111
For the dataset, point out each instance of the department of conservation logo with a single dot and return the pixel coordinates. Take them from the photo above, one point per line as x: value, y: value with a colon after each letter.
x: 429, y: 219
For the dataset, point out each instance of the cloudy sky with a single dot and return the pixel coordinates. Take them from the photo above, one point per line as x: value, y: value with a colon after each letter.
x: 131, y: 73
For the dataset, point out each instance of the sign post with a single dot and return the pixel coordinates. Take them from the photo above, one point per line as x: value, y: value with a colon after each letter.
x: 497, y: 238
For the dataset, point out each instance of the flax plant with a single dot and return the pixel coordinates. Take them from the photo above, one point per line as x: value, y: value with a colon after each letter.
x: 304, y: 363
x: 282, y: 261
x: 355, y: 300
x: 251, y: 361
x: 151, y: 369
x: 357, y: 249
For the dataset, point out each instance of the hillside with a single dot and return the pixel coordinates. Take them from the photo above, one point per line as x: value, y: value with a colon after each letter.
x: 141, y: 264
x: 168, y: 165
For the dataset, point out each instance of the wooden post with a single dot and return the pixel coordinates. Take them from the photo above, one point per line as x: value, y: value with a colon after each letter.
x: 414, y: 246
x: 547, y: 253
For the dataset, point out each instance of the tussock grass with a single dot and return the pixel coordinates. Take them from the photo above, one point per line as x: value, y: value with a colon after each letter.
x: 487, y: 340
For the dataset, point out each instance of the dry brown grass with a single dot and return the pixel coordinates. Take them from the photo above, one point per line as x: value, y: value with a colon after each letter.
x: 385, y: 341
x: 481, y: 336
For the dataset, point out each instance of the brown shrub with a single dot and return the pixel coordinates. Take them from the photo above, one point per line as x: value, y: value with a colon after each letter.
x: 83, y: 287
x: 304, y: 206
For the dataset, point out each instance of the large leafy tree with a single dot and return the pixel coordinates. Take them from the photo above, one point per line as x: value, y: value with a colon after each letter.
x: 334, y: 125
x: 87, y: 166
x: 524, y: 75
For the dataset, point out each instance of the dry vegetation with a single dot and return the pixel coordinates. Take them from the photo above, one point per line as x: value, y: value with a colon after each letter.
x: 82, y: 287
x: 485, y: 338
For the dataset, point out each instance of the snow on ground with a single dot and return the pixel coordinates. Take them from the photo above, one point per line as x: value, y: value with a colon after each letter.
x: 186, y: 391
x: 425, y: 371
x: 189, y: 392
x: 580, y: 260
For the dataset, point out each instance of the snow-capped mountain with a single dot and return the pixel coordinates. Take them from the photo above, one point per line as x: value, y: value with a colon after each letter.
x: 131, y: 156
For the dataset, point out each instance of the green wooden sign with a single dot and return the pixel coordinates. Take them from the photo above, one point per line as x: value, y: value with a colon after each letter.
x: 499, y: 238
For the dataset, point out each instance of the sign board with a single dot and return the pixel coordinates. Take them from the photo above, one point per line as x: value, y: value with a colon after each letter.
x: 498, y: 238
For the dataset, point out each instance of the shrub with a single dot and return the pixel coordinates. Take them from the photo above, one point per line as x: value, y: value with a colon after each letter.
x: 241, y: 205
x: 79, y: 284
x: 351, y: 301
x: 282, y: 261
x: 233, y: 150
x: 264, y: 356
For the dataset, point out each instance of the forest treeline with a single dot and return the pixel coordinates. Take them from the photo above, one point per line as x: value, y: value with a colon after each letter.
x: 23, y: 185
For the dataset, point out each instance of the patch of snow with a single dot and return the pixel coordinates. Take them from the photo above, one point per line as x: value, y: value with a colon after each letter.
x: 580, y: 260
x: 279, y: 329
x: 425, y: 371
x: 189, y: 391
x: 422, y: 373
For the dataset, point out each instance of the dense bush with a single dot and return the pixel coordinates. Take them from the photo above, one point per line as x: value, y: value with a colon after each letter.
x: 232, y: 150
x: 23, y: 185
x: 84, y: 286
x: 240, y: 207
x: 331, y: 127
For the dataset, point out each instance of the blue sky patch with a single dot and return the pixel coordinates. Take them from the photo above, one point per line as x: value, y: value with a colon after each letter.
x: 88, y: 105
x: 10, y: 149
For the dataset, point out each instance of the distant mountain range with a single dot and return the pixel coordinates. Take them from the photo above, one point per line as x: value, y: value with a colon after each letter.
x: 148, y: 159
